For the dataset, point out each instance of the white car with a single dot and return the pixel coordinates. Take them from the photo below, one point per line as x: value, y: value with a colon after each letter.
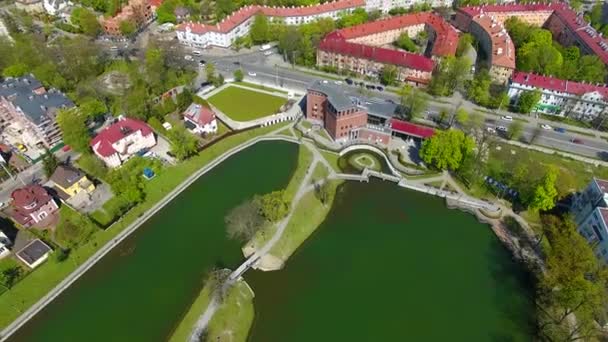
x: 197, y: 53
x: 188, y: 57
x: 507, y: 118
x: 252, y: 74
x: 491, y: 130
x: 267, y: 53
x: 501, y: 128
x: 338, y: 82
x: 545, y: 126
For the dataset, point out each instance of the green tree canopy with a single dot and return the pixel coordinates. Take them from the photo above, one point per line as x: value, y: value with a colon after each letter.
x: 406, y: 43
x: 183, y: 144
x: 238, y: 75
x: 49, y: 163
x: 413, y: 102
x: 74, y: 129
x: 388, y: 75
x: 447, y: 149
x: 127, y: 27
x: 545, y: 193
x: 86, y: 20
x: 273, y: 206
x: 259, y: 29
x: 528, y: 100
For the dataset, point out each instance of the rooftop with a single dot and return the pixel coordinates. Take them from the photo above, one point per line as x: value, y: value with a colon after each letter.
x: 33, y: 252
x: 66, y: 176
x: 556, y: 84
x: 29, y: 198
x: 446, y: 40
x: 334, y: 94
x: 503, y: 49
x: 102, y: 143
x: 411, y: 129
x: 240, y: 16
x: 31, y: 97
x: 199, y: 114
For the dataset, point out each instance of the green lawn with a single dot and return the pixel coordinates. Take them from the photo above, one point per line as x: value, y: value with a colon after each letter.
x: 233, y: 319
x: 261, y: 87
x: 48, y: 275
x: 324, y: 134
x: 320, y: 172
x: 73, y: 229
x: 306, y: 124
x: 184, y: 329
x: 307, y: 216
x: 245, y: 105
x: 332, y: 159
x: 304, y: 161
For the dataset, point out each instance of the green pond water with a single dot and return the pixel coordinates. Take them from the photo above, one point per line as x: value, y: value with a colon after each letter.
x: 386, y: 265
x: 390, y: 264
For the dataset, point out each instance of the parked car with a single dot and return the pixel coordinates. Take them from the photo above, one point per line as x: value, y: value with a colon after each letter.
x: 236, y: 63
x: 338, y: 82
x: 265, y: 47
x: 197, y: 53
x: 252, y: 74
x: 576, y: 141
x: 370, y: 86
x: 204, y: 84
x: 348, y: 81
x: 491, y: 130
x: 380, y: 88
x: 545, y: 126
x: 267, y: 53
x: 188, y: 57
x: 21, y: 147
x: 507, y: 118
x: 560, y: 130
x: 66, y: 148
x: 501, y: 128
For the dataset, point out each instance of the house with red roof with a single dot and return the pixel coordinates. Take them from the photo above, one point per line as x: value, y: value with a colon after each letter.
x: 584, y: 101
x: 32, y: 205
x: 200, y: 119
x: 122, y: 140
x: 238, y: 23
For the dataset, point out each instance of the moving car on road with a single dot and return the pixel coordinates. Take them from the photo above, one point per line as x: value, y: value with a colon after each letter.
x: 491, y: 130
x: 252, y: 74
x: 501, y: 128
x: 507, y: 118
x: 197, y: 53
x: 265, y: 47
x: 545, y: 126
x: 348, y: 81
x: 576, y: 141
x: 560, y: 130
x: 267, y: 53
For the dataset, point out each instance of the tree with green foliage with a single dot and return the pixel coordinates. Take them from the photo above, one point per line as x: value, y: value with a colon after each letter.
x: 127, y: 27
x: 92, y: 165
x: 74, y: 129
x: 388, y: 75
x: 49, y: 163
x: 92, y: 108
x: 447, y: 149
x: 183, y: 144
x: 184, y: 99
x: 413, y: 102
x: 86, y: 21
x: 450, y: 75
x: 515, y: 130
x: 238, y: 75
x: 356, y: 17
x: 259, y: 30
x: 10, y: 276
x: 244, y: 221
x: 406, y: 43
x: 462, y: 117
x: 545, y: 192
x: 210, y: 72
x: 273, y: 206
x: 465, y: 42
x: 528, y: 100
x: 165, y: 12
x: 15, y: 70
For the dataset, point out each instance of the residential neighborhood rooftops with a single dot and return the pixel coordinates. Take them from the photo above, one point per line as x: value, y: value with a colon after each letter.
x: 556, y: 84
x: 503, y: 49
x: 335, y: 42
x: 102, y: 143
x: 66, y: 176
x: 335, y: 96
x: 446, y: 40
x: 28, y: 94
x: 30, y: 198
x: 199, y: 114
x: 411, y: 129
x: 243, y: 14
x: 33, y: 252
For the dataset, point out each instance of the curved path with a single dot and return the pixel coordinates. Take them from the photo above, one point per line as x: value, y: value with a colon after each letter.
x: 65, y: 283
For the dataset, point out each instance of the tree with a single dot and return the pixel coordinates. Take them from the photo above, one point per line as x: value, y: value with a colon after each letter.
x: 406, y: 43
x: 413, y: 102
x: 92, y: 108
x: 322, y: 192
x: 545, y: 192
x: 356, y: 17
x: 74, y: 130
x: 238, y: 75
x: 10, y: 275
x: 528, y: 101
x: 92, y: 165
x: 464, y: 44
x: 49, y: 163
x: 219, y: 279
x: 450, y: 75
x: 127, y: 27
x: 259, y: 29
x: 183, y: 144
x: 462, y: 117
x: 15, y: 70
x: 273, y: 206
x: 515, y: 130
x: 388, y: 75
x: 447, y: 149
x: 210, y: 71
x: 86, y: 20
x: 244, y: 221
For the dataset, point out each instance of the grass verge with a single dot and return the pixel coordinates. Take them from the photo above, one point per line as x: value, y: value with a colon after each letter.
x: 332, y: 159
x: 233, y: 319
x: 245, y: 105
x: 260, y: 87
x: 39, y: 282
x: 304, y: 161
x: 184, y: 329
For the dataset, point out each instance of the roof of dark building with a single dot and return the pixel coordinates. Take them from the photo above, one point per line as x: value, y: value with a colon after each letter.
x: 336, y: 96
x: 66, y: 176
x: 33, y: 251
x: 27, y: 93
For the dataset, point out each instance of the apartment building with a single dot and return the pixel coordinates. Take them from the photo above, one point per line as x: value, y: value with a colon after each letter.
x: 582, y: 101
x: 139, y: 12
x: 29, y: 108
x: 590, y: 211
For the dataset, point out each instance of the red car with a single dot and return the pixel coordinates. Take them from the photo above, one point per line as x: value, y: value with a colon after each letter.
x: 66, y: 148
x: 576, y: 141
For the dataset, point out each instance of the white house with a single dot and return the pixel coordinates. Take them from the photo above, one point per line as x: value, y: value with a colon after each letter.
x: 200, y: 119
x: 121, y: 140
x: 34, y: 253
x: 590, y: 210
x: 583, y: 101
x: 4, y: 243
x: 54, y: 7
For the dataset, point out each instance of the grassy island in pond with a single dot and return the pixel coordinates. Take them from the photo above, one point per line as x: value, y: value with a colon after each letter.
x: 245, y: 105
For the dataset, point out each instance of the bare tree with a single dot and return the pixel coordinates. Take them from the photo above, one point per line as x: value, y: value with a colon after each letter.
x: 244, y: 221
x: 219, y: 279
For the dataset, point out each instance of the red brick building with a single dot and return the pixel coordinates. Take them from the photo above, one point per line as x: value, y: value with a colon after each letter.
x: 32, y: 205
x: 138, y: 12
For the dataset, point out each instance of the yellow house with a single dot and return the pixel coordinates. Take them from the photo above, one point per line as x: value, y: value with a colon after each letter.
x: 71, y: 181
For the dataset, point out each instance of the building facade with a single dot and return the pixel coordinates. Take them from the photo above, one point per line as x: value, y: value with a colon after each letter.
x: 582, y: 101
x: 590, y: 211
x: 28, y: 107
x: 138, y: 12
x: 71, y: 181
x: 387, y: 5
x: 31, y: 205
x: 238, y: 23
x: 122, y: 140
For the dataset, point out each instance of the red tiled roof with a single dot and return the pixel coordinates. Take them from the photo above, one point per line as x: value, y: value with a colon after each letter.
x: 245, y: 13
x: 335, y: 43
x: 199, y: 114
x: 602, y: 184
x: 446, y: 40
x: 33, y: 196
x: 503, y: 49
x: 412, y: 129
x: 575, y: 23
x: 556, y: 84
x: 102, y: 143
x: 155, y: 3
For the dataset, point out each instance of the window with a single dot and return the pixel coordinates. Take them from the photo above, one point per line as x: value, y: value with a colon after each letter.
x: 42, y: 215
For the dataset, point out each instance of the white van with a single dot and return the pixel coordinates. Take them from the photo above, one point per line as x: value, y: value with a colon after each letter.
x: 265, y: 47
